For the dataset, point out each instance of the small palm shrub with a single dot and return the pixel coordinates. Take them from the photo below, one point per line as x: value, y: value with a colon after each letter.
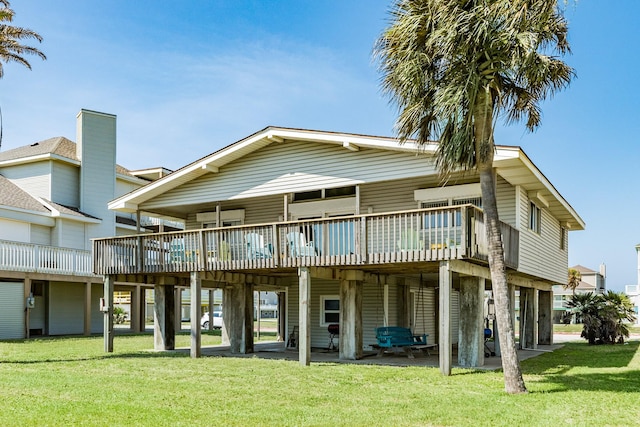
x: 604, y: 317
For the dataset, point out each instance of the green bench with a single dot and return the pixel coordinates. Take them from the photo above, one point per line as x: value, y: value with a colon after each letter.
x: 396, y: 337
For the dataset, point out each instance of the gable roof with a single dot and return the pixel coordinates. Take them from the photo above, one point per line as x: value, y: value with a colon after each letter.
x: 511, y: 162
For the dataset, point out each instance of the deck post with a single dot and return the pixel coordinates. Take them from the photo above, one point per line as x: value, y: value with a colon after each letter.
x: 107, y: 309
x: 135, y: 309
x: 164, y: 329
x: 545, y: 318
x: 87, y: 308
x: 237, y: 315
x: 527, y: 319
x: 304, y: 338
x: 196, y: 298
x: 471, y: 328
x: 211, y: 308
x: 350, y: 347
x: 444, y: 336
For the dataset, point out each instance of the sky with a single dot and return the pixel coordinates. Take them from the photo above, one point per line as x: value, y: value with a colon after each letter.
x: 186, y: 78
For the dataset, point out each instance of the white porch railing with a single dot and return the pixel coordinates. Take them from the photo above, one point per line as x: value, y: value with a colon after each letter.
x: 31, y: 258
x: 410, y: 236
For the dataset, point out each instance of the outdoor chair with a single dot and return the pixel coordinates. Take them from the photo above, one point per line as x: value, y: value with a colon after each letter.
x: 256, y: 248
x: 410, y: 241
x: 298, y: 245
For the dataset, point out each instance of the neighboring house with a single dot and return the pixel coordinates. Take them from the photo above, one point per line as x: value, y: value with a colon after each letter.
x: 591, y: 281
x: 633, y: 291
x: 53, y: 201
x: 348, y: 229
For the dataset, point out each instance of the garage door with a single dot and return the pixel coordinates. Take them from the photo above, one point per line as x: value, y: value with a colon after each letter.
x: 11, y: 310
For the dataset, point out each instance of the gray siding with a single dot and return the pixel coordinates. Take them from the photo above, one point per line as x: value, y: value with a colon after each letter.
x: 257, y: 211
x: 506, y: 198
x: 34, y: 178
x: 66, y: 313
x: 97, y: 152
x: 71, y: 234
x: 390, y: 196
x: 540, y: 254
x: 65, y: 185
x: 97, y: 318
x: 11, y: 310
x: 40, y: 234
x: 296, y: 166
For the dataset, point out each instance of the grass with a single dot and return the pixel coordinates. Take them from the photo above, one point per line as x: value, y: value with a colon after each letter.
x: 70, y: 381
x: 577, y: 328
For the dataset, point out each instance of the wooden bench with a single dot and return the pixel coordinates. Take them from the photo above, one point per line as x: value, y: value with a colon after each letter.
x: 393, y: 337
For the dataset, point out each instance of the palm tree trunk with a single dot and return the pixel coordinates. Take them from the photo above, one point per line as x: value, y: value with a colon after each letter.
x: 483, y: 132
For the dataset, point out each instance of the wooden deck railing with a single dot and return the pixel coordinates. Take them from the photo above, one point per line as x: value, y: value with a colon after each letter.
x: 409, y: 236
x: 31, y: 258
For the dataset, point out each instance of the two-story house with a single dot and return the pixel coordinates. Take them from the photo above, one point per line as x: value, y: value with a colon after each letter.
x: 354, y: 230
x: 53, y: 201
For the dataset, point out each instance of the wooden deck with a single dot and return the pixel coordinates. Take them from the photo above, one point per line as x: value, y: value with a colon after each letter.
x: 421, y: 235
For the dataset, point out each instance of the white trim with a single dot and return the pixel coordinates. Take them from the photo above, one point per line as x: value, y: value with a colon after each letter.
x: 447, y: 193
x: 324, y: 208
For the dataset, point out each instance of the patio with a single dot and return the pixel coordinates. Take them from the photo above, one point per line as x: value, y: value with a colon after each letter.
x: 277, y: 350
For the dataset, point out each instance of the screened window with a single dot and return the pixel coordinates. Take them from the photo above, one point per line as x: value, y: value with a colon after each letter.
x: 329, y: 309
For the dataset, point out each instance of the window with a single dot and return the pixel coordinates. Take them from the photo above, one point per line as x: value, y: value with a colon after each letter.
x: 534, y: 218
x: 329, y: 309
x: 327, y: 193
x: 563, y: 238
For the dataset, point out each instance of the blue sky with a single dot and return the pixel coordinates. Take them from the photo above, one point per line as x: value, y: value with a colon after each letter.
x: 187, y: 78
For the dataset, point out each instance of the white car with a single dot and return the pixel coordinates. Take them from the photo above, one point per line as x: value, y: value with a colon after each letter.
x: 217, y: 320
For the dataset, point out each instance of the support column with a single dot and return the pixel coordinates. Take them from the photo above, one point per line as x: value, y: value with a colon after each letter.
x: 164, y: 328
x: 107, y: 309
x: 211, y: 308
x: 27, y: 310
x: 282, y: 317
x: 237, y: 315
x: 304, y: 335
x: 350, y: 319
x: 527, y: 318
x: 134, y: 311
x: 87, y: 308
x: 196, y: 299
x: 444, y: 336
x: 471, y: 328
x: 545, y: 318
x: 178, y: 308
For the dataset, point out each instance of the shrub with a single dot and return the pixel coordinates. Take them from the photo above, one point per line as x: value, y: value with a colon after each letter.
x: 119, y: 315
x: 604, y: 317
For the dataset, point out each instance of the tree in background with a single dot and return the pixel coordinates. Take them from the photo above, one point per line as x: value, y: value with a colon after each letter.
x: 573, y: 280
x: 452, y: 67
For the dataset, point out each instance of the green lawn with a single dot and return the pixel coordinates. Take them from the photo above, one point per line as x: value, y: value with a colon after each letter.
x: 70, y: 381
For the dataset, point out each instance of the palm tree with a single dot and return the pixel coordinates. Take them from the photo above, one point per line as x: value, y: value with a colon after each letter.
x: 586, y: 308
x: 11, y: 48
x: 452, y: 67
x: 616, y: 312
x: 573, y: 280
